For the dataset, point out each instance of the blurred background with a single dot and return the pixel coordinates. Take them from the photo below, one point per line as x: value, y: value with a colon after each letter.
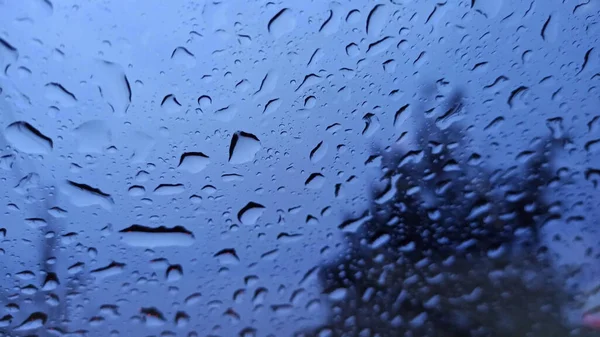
x: 196, y: 168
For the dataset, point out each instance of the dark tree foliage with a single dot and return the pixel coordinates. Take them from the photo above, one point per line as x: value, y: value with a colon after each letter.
x: 451, y: 247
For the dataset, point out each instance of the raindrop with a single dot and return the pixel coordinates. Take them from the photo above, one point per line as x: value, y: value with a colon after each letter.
x: 380, y: 46
x: 318, y: 152
x: 193, y: 162
x: 310, y: 102
x: 268, y: 84
x: 113, y: 85
x: 371, y: 124
x: 152, y: 317
x: 204, y: 102
x: 272, y: 106
x: 82, y: 195
x: 315, y: 181
x: 376, y: 20
x: 174, y: 273
x: 352, y: 50
x: 34, y: 321
x: 353, y: 16
x: 309, y: 80
x: 169, y: 189
x: 227, y: 256
x: 92, y: 137
x: 56, y: 93
x: 193, y: 299
x: 150, y: 237
x: 112, y: 269
x: 225, y: 114
x: 24, y: 137
x: 170, y: 104
x: 250, y: 213
x: 243, y: 147
x: 182, y: 56
x: 8, y: 55
x: 282, y: 23
x: 136, y: 191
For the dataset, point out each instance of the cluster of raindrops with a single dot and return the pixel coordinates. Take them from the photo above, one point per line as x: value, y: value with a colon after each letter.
x: 188, y: 177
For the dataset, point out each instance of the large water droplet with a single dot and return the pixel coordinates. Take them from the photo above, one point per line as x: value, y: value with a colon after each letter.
x: 377, y: 20
x: 83, y: 195
x: 56, y: 93
x: 318, y: 152
x: 8, y: 55
x: 226, y: 114
x: 24, y: 137
x: 184, y: 57
x: 243, y: 147
x: 93, y: 137
x: 113, y: 85
x: 150, y: 237
x: 170, y: 104
x: 193, y: 162
x: 169, y: 189
x: 34, y: 321
x: 227, y: 256
x: 315, y: 181
x: 282, y: 23
x: 250, y: 213
x: 112, y: 269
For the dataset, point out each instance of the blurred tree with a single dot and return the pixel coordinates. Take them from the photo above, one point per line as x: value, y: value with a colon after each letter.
x: 46, y: 311
x: 449, y: 247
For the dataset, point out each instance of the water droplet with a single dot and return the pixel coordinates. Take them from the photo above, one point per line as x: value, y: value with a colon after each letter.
x: 169, y: 189
x: 112, y: 269
x: 150, y: 237
x: 272, y: 106
x: 318, y: 152
x: 34, y: 321
x: 282, y: 23
x: 250, y: 213
x: 332, y: 22
x: 268, y: 84
x: 56, y: 93
x: 193, y: 162
x: 82, y: 195
x: 377, y: 20
x: 380, y: 46
x: 315, y: 181
x: 352, y: 50
x: 225, y: 114
x: 174, y: 273
x: 182, y: 56
x: 113, y: 85
x: 243, y: 147
x: 338, y: 294
x: 309, y: 80
x: 170, y: 104
x: 204, y: 102
x: 24, y: 137
x: 136, y: 191
x: 353, y: 16
x: 193, y: 299
x: 8, y: 55
x: 142, y: 146
x: 371, y: 124
x: 227, y: 256
x: 93, y: 137
x: 152, y: 317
